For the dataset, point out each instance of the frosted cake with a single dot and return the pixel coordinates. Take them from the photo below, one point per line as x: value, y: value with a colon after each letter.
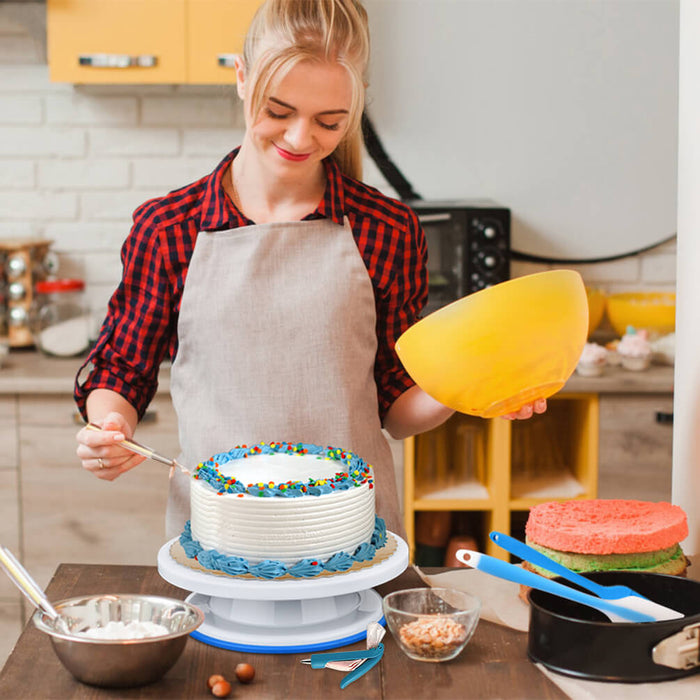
x: 282, y: 509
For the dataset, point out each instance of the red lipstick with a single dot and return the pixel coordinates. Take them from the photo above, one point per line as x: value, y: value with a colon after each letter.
x: 291, y: 156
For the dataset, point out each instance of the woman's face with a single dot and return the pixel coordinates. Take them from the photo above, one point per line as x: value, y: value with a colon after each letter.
x: 303, y: 119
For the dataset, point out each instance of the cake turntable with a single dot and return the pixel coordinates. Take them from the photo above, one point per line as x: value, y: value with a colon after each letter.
x: 284, y: 616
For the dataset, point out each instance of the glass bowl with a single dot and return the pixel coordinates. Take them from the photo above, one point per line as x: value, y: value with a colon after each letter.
x: 431, y: 624
x: 119, y: 663
x: 492, y: 352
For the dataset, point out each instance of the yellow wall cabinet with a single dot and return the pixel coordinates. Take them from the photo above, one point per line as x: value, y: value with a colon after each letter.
x: 497, y: 469
x: 146, y: 41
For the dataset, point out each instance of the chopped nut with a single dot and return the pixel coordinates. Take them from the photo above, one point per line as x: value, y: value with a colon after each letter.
x: 432, y: 637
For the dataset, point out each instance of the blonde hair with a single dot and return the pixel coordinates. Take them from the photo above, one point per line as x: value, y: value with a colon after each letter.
x: 286, y: 32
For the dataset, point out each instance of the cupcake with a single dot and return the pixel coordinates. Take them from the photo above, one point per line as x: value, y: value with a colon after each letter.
x: 592, y: 361
x: 614, y: 358
x: 634, y: 349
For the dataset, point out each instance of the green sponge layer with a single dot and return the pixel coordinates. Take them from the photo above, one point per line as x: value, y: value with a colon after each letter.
x: 669, y: 560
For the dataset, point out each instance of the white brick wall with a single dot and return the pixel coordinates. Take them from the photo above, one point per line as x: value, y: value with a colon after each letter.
x: 79, y: 109
x: 84, y: 174
x: 76, y: 160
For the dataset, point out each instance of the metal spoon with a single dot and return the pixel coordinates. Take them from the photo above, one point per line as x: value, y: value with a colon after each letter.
x: 31, y: 590
x: 144, y: 451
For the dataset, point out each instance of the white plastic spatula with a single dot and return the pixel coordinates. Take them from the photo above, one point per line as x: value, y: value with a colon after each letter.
x: 628, y: 609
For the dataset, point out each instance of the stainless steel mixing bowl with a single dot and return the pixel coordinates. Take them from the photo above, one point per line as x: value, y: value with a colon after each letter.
x: 120, y: 663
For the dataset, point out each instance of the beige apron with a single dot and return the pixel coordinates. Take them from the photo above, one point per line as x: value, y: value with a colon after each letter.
x: 277, y: 341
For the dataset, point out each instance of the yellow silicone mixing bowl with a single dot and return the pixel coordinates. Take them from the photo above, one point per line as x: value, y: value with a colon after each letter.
x: 491, y: 352
x: 596, y: 308
x: 651, y: 311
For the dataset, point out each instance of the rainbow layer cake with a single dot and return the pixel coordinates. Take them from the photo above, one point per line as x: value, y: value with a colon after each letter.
x: 609, y: 534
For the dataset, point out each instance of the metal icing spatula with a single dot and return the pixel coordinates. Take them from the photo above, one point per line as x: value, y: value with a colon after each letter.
x: 140, y: 449
x: 32, y: 591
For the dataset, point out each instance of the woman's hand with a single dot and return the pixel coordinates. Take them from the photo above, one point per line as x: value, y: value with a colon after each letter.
x: 99, y: 452
x: 528, y: 410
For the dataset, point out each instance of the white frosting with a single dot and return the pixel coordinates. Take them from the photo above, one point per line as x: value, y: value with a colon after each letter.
x: 126, y: 630
x: 280, y: 468
x: 593, y: 354
x: 282, y: 529
x: 634, y: 345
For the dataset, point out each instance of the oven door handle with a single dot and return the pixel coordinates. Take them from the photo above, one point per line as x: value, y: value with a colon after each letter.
x: 432, y: 218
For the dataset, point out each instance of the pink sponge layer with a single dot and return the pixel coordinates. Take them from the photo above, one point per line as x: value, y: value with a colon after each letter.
x: 606, y: 526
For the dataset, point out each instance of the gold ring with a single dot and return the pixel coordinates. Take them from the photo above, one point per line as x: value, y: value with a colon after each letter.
x: 101, y: 463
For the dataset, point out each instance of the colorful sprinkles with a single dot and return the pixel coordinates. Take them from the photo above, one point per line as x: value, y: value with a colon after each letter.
x: 356, y: 471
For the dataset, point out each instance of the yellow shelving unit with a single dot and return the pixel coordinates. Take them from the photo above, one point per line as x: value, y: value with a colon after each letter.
x: 499, y: 467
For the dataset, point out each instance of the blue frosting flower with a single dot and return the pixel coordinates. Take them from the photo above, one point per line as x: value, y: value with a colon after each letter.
x: 235, y: 566
x: 365, y: 552
x: 379, y: 535
x: 190, y: 546
x: 211, y: 559
x: 306, y: 568
x: 264, y: 491
x: 319, y: 489
x: 268, y: 569
x: 341, y: 561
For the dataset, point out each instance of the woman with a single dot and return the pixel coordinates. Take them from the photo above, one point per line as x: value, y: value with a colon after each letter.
x: 278, y: 284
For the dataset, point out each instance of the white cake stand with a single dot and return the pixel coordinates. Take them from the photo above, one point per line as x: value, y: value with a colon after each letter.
x: 287, y: 616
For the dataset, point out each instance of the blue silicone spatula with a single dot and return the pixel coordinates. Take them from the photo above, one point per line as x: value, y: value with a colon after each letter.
x: 531, y: 555
x: 629, y: 609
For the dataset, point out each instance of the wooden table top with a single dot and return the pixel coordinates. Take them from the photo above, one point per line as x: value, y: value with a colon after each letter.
x: 493, y: 665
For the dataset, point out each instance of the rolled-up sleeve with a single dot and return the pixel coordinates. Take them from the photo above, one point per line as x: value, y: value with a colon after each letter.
x: 399, y: 308
x: 140, y: 321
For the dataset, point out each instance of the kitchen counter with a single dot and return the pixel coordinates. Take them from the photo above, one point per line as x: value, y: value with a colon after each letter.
x: 493, y: 665
x: 658, y: 379
x: 28, y: 371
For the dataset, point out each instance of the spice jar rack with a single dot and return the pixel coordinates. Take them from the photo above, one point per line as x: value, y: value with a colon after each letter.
x: 498, y: 469
x: 24, y: 262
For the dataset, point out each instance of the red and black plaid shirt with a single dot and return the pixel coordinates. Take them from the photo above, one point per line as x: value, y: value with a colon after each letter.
x: 141, y: 325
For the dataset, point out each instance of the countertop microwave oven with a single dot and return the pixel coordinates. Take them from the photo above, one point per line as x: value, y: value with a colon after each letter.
x: 468, y: 247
